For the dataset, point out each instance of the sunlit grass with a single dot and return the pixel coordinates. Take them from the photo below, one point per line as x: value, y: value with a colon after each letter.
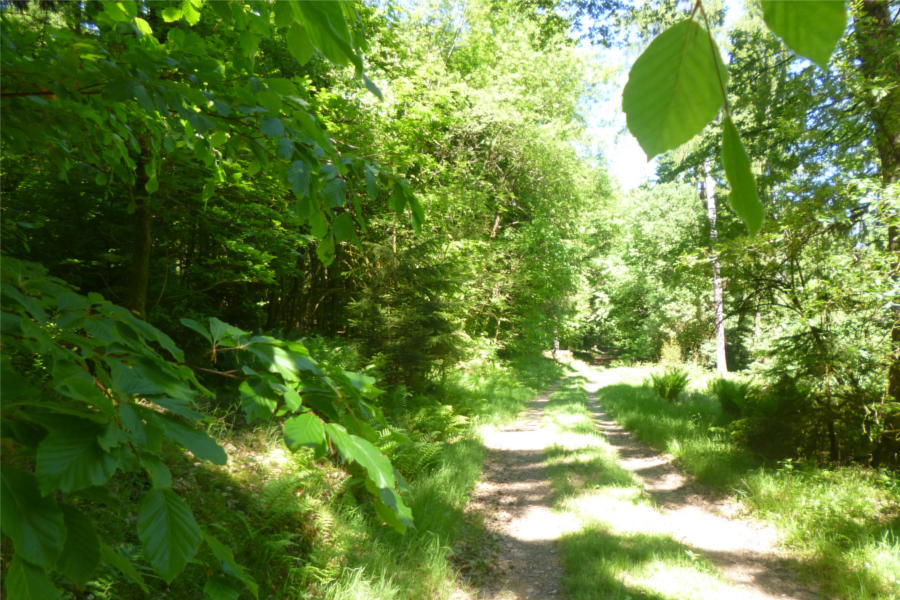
x: 380, y: 564
x: 615, y: 551
x: 844, y: 524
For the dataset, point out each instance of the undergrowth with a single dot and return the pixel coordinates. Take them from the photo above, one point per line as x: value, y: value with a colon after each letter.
x: 843, y: 522
x: 304, y: 528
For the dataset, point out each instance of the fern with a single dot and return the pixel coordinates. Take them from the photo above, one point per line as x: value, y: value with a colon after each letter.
x: 670, y: 383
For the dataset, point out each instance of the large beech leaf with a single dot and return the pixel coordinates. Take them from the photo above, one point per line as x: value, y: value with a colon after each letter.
x: 674, y: 88
x: 168, y: 531
x: 328, y: 30
x: 743, y: 197
x: 81, y: 553
x: 355, y: 449
x: 298, y: 44
x: 230, y: 566
x: 810, y: 28
x: 391, y: 508
x: 304, y: 430
x: 73, y: 459
x: 198, y: 442
x: 25, y: 581
x: 33, y: 522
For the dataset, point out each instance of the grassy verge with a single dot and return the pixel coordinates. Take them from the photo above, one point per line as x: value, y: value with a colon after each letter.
x: 304, y: 529
x: 844, y: 523
x: 613, y: 550
x: 380, y: 564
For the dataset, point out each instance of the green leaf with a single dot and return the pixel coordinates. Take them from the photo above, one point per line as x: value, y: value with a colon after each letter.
x: 190, y: 12
x: 123, y: 565
x: 328, y: 31
x: 119, y: 11
x: 371, y: 184
x: 33, y: 522
x: 257, y: 406
x: 221, y: 588
x: 73, y: 459
x: 143, y: 26
x: 298, y: 177
x: 168, y: 531
x: 218, y: 138
x: 152, y: 184
x: 157, y: 470
x: 284, y: 14
x: 282, y: 86
x: 418, y: 213
x: 81, y: 553
x: 370, y: 85
x: 811, y: 28
x: 325, y: 250
x: 673, y: 89
x: 355, y: 449
x: 198, y: 442
x: 230, y: 566
x: 304, y: 430
x: 299, y: 45
x: 270, y: 100
x: 344, y: 229
x: 192, y: 324
x: 25, y: 581
x: 743, y: 197
x: 393, y: 510
x: 249, y: 44
x: 224, y: 333
x: 171, y: 14
x: 271, y: 126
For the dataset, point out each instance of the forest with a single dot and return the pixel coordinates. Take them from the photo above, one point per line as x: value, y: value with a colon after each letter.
x: 275, y: 273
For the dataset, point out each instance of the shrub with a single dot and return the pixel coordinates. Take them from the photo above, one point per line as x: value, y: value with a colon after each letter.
x: 670, y: 383
x: 733, y: 396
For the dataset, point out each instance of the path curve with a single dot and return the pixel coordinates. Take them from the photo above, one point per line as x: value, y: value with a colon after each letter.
x: 746, y: 551
x: 515, y: 500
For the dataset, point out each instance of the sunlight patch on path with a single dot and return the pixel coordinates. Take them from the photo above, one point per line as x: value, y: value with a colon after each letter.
x: 744, y: 552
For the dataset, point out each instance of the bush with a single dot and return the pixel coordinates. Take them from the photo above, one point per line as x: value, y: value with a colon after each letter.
x: 671, y: 383
x: 733, y: 396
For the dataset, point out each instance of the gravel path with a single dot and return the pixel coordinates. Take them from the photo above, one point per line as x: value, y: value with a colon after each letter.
x: 515, y: 501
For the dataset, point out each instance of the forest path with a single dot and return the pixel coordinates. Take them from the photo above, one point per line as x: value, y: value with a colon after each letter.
x: 655, y: 513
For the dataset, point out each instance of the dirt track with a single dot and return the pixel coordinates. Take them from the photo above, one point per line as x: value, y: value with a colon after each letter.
x: 515, y: 501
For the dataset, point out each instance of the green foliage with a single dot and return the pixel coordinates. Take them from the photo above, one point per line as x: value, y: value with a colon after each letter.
x: 90, y: 391
x: 842, y: 520
x: 333, y: 406
x: 674, y: 88
x: 811, y: 29
x: 118, y: 399
x: 679, y: 83
x: 670, y: 383
x: 743, y: 197
x: 169, y: 82
x: 733, y: 395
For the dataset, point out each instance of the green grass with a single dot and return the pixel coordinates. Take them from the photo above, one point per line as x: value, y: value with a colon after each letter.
x: 612, y: 551
x: 423, y: 563
x: 304, y: 529
x: 844, y: 523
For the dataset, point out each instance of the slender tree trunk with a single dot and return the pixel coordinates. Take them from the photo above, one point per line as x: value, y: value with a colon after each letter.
x: 136, y: 298
x: 709, y: 188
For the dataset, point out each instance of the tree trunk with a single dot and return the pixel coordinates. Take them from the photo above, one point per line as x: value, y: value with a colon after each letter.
x: 709, y: 187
